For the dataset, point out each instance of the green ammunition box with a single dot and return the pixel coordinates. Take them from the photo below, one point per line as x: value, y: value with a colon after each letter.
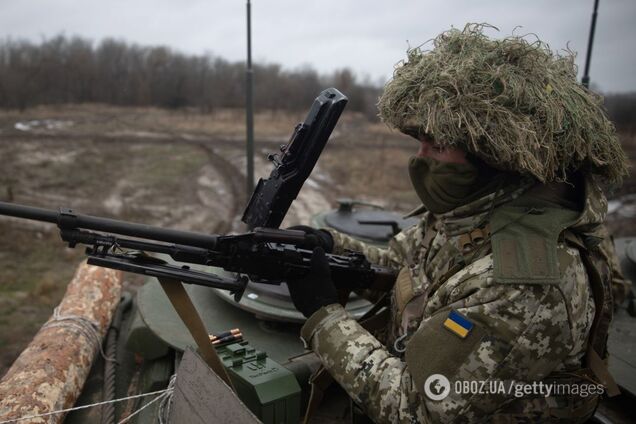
x: 267, y: 388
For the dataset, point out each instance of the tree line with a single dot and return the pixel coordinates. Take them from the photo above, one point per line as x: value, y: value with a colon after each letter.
x: 74, y: 70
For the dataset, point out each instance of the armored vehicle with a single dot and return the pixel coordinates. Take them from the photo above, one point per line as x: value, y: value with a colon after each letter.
x: 152, y: 338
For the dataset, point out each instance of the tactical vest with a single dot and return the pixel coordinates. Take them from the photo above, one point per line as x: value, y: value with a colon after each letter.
x: 408, y: 301
x: 532, y: 234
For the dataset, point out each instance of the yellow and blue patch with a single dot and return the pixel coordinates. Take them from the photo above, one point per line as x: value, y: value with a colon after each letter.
x: 458, y: 324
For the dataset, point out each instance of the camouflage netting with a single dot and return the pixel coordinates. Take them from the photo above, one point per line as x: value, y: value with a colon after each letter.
x: 512, y: 102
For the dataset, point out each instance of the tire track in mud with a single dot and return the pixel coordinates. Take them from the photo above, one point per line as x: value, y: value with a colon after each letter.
x: 307, y: 203
x: 235, y: 182
x: 231, y: 176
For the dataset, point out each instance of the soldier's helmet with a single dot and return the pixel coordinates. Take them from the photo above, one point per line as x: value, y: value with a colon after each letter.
x: 512, y: 102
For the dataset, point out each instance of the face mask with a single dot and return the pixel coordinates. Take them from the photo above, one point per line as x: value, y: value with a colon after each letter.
x: 443, y: 186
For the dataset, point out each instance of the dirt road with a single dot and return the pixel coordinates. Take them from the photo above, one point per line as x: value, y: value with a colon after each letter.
x: 171, y: 170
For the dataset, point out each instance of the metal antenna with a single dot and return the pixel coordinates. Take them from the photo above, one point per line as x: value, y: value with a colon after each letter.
x: 249, y: 105
x: 586, y: 74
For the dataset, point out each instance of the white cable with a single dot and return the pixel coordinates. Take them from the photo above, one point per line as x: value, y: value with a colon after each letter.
x: 85, y: 326
x: 165, y: 405
x: 61, y: 411
x: 161, y: 396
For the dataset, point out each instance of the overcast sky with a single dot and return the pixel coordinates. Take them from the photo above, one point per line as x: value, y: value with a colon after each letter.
x: 367, y: 36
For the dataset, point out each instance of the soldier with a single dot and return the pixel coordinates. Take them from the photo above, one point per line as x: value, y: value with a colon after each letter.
x: 506, y: 280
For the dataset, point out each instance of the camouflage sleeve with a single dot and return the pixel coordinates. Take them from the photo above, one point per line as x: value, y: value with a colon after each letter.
x: 375, y: 255
x: 390, y: 257
x: 520, y: 333
x: 375, y: 380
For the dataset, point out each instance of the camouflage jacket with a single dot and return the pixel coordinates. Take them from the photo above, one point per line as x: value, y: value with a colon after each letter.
x: 521, y: 330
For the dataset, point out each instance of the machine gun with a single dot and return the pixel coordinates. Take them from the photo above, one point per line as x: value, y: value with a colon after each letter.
x: 265, y: 254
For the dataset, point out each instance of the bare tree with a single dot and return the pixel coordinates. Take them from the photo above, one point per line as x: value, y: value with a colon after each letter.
x: 71, y: 70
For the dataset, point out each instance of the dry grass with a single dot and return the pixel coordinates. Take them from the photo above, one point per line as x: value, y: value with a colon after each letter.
x: 105, y: 119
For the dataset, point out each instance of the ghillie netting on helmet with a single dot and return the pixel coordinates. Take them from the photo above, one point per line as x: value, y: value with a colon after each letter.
x: 512, y: 102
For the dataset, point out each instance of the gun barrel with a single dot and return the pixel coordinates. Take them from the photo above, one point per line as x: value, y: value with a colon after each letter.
x: 68, y: 219
x: 28, y: 212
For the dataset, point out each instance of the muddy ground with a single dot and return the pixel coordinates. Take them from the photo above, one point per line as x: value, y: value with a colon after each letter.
x: 182, y: 170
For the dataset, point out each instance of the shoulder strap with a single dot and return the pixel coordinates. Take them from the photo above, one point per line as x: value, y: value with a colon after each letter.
x: 187, y: 312
x: 524, y: 243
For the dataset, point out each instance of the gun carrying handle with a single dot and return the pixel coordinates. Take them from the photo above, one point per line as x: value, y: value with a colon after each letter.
x: 187, y: 312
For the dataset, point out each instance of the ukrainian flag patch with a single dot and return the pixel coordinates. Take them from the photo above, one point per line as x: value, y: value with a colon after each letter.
x: 458, y: 324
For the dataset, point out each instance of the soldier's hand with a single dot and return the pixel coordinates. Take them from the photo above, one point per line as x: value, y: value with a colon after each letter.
x: 316, y: 289
x: 318, y: 238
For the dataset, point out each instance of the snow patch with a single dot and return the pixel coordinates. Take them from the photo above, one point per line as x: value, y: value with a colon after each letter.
x: 44, y: 124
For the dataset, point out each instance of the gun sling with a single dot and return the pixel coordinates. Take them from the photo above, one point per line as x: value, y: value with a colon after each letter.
x: 187, y: 312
